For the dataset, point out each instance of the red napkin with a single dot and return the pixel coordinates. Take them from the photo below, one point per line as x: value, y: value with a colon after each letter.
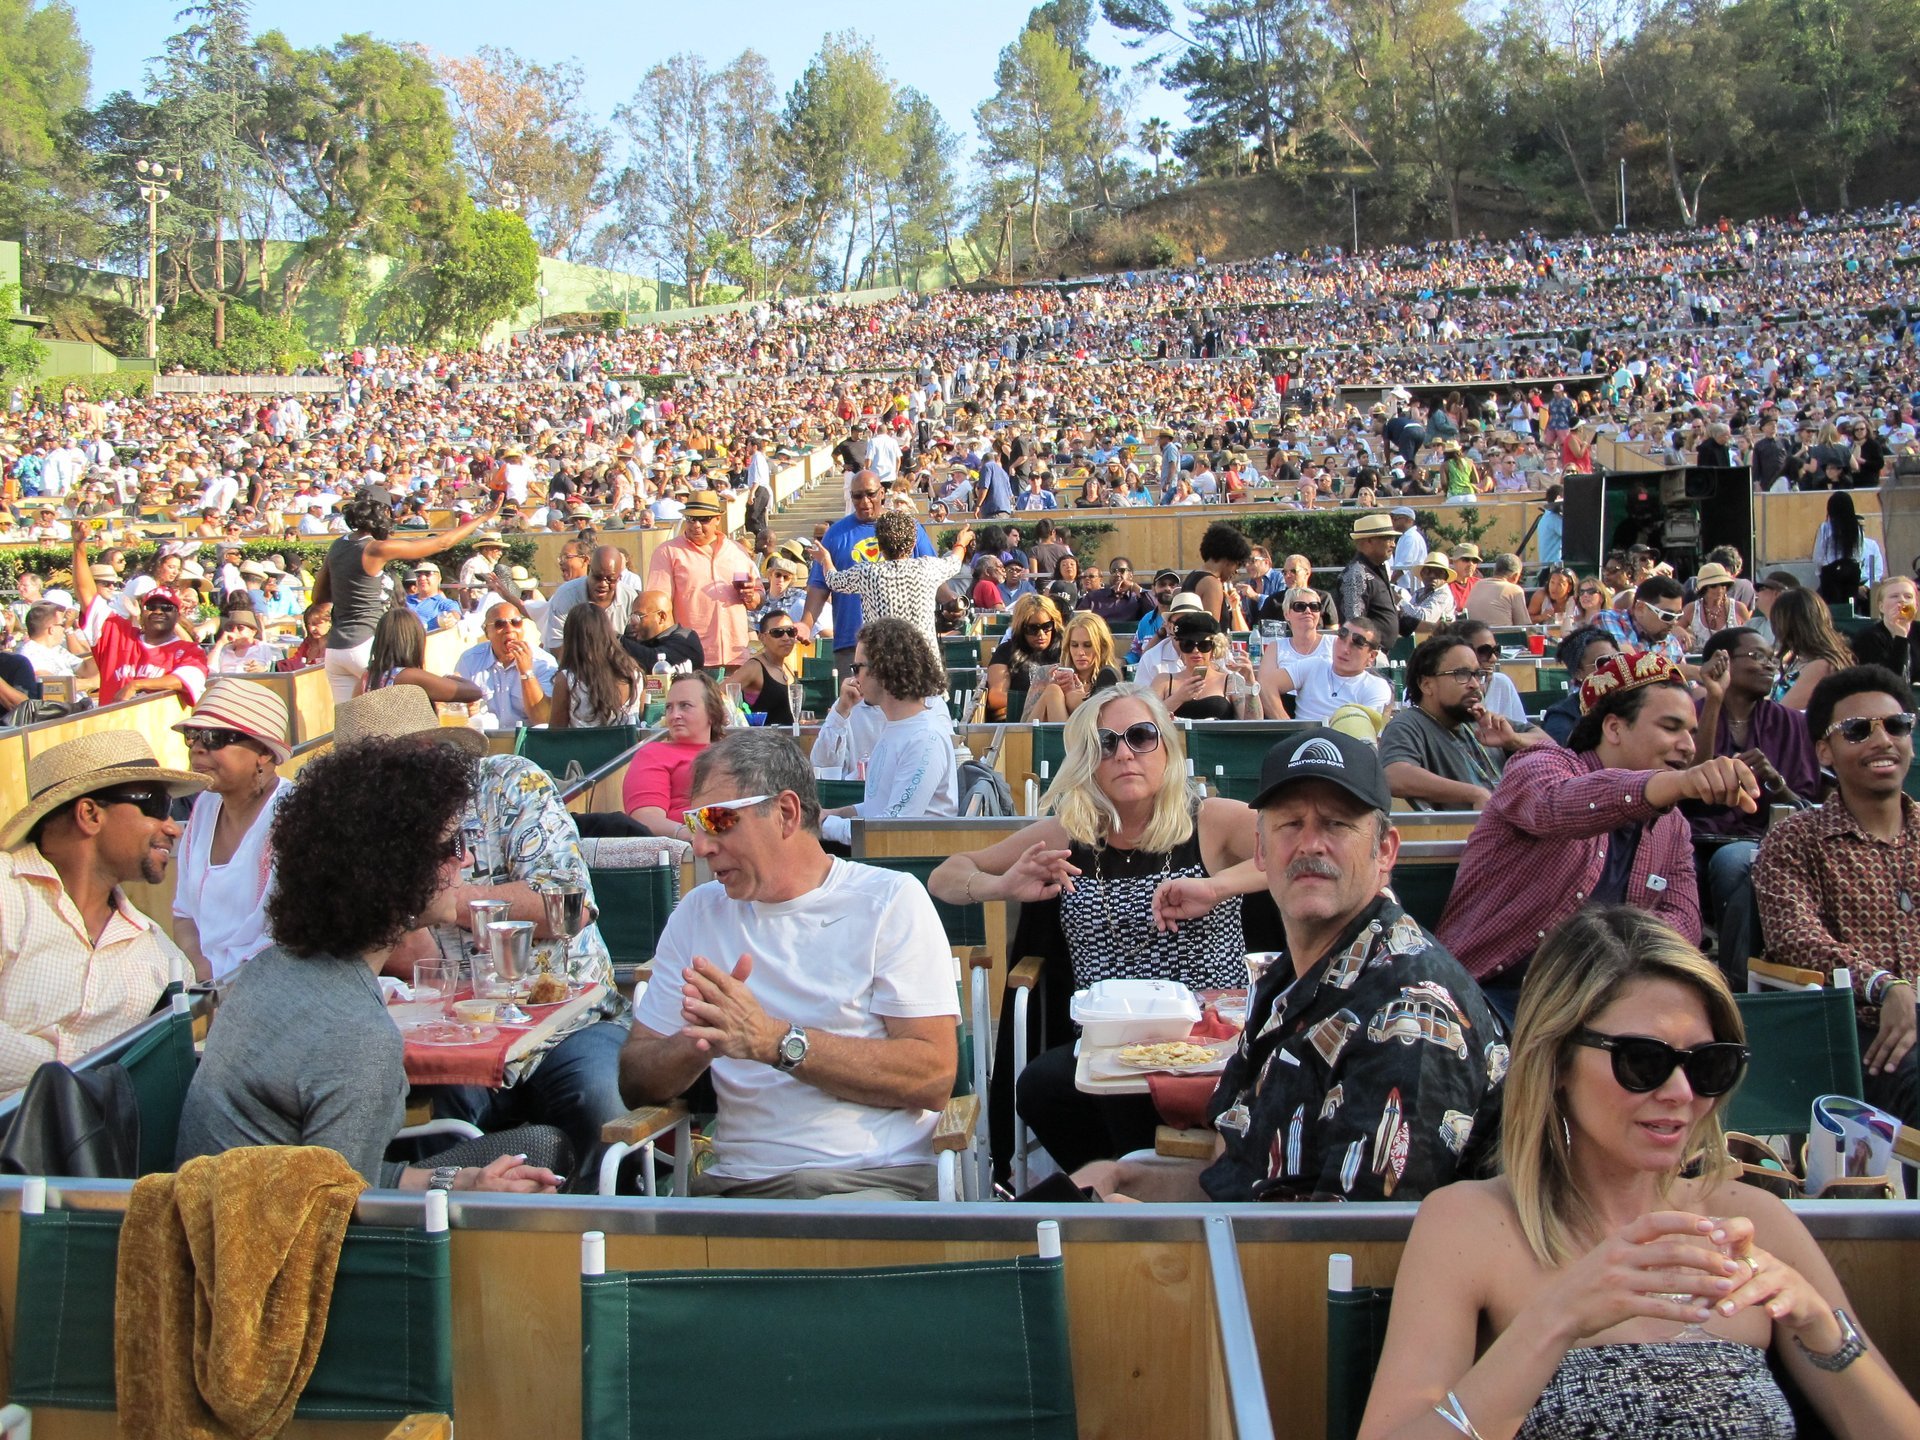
x: 1182, y: 1099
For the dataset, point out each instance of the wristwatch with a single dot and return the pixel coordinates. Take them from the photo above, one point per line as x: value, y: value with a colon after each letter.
x: 1852, y: 1347
x: 443, y: 1177
x: 791, y: 1050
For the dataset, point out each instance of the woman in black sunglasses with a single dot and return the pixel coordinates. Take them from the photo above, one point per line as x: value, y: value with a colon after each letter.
x: 1631, y: 1285
x: 769, y: 681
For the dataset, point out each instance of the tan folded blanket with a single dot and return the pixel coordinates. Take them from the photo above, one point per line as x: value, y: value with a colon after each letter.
x: 226, y: 1272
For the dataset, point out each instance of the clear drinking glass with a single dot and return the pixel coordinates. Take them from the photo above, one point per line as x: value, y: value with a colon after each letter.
x: 1694, y: 1329
x: 436, y: 982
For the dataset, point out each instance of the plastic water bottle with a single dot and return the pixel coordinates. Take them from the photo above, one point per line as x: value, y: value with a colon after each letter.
x: 659, y: 679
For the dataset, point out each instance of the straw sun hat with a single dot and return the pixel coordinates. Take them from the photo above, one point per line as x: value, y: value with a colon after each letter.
x: 91, y: 763
x: 230, y: 703
x: 396, y: 710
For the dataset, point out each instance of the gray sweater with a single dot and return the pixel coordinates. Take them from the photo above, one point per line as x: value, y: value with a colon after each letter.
x: 301, y: 1052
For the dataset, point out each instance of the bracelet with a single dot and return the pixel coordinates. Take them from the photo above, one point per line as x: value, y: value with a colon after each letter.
x: 1455, y: 1414
x: 972, y: 875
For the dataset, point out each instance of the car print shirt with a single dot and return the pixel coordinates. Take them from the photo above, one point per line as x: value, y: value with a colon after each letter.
x: 1370, y: 1077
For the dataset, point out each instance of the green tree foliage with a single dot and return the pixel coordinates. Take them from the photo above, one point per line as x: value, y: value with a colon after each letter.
x: 44, y: 71
x: 485, y: 271
x: 254, y: 344
x: 20, y: 349
x: 1036, y: 119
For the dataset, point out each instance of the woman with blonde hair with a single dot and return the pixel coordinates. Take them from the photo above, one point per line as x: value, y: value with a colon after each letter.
x: 1086, y: 669
x: 1810, y: 648
x: 1616, y: 1279
x: 1202, y: 688
x: 1120, y: 850
x: 1031, y: 649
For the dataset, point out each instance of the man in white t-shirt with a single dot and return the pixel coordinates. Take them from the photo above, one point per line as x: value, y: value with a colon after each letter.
x: 820, y: 993
x: 1321, y: 686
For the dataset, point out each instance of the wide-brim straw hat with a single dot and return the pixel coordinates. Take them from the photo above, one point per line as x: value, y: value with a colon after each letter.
x: 253, y: 709
x: 1377, y: 526
x: 394, y: 711
x: 1712, y: 573
x: 86, y: 765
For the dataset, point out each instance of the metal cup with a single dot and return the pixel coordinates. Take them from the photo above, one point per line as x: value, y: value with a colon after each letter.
x: 568, y: 910
x: 511, y: 943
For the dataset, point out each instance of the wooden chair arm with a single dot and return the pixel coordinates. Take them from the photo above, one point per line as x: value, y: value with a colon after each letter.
x: 977, y: 957
x: 1788, y: 975
x: 1906, y: 1145
x: 640, y: 1125
x: 1183, y: 1144
x: 957, y: 1122
x: 1026, y: 974
x: 423, y: 1427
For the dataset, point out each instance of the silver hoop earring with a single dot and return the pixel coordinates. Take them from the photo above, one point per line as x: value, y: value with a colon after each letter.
x: 1566, y: 1132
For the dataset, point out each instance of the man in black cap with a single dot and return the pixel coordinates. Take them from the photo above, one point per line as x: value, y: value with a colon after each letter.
x: 1370, y: 1065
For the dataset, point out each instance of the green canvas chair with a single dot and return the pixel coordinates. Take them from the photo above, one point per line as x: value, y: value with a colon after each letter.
x: 634, y: 905
x: 1236, y: 746
x: 1049, y: 750
x: 558, y: 751
x: 1805, y: 1044
x: 159, y: 1060
x: 388, y: 1351
x: 1422, y: 888
x: 1356, y: 1329
x: 970, y: 1350
x: 835, y: 793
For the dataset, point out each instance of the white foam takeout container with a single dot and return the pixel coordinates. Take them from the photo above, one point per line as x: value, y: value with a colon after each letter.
x: 1135, y: 1012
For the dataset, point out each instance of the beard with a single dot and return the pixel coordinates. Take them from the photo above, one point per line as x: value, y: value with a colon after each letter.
x: 153, y: 865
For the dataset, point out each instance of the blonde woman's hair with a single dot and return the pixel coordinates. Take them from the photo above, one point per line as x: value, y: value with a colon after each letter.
x: 1094, y: 627
x: 1086, y: 814
x: 1026, y: 609
x: 1581, y: 969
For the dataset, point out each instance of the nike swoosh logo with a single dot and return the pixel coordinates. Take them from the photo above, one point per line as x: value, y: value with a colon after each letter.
x: 835, y: 921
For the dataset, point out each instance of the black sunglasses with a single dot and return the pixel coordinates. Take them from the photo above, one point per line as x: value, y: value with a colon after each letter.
x: 455, y: 846
x: 209, y: 739
x: 1642, y: 1064
x: 1195, y: 646
x: 1354, y: 637
x: 1034, y: 626
x: 1487, y: 652
x: 1142, y: 738
x: 1304, y: 607
x: 778, y: 633
x: 150, y: 800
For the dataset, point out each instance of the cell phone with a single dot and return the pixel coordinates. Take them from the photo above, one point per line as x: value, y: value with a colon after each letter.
x: 1240, y: 650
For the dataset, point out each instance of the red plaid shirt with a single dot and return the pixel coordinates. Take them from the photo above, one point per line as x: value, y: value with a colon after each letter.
x: 1540, y: 848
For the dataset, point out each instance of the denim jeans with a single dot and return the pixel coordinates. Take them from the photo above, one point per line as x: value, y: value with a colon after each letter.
x: 575, y: 1087
x: 1730, y: 901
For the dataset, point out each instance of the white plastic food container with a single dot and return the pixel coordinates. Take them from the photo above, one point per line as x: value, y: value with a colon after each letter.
x: 1135, y: 1012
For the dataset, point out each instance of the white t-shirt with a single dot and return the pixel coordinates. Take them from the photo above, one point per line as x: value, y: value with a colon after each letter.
x: 227, y: 903
x: 1318, y: 692
x: 912, y: 770
x: 866, y: 944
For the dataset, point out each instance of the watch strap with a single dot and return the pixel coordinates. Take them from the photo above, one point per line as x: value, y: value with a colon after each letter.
x: 1852, y: 1346
x: 443, y: 1177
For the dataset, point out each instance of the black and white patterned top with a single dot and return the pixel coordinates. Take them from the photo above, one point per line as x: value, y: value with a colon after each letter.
x: 1108, y: 921
x: 906, y: 589
x: 1678, y: 1390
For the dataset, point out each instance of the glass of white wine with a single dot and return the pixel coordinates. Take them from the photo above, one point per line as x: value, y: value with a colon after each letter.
x: 1696, y: 1329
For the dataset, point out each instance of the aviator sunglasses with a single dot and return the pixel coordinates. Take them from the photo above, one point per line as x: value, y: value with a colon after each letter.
x: 1642, y: 1064
x: 1856, y: 730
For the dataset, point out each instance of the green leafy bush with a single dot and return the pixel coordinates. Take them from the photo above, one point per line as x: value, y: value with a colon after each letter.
x: 135, y: 384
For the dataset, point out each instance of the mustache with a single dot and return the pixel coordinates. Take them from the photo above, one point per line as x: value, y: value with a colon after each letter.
x: 1315, y: 866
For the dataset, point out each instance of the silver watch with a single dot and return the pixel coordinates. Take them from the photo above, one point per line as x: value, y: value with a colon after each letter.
x: 791, y: 1050
x: 1852, y: 1346
x: 443, y: 1177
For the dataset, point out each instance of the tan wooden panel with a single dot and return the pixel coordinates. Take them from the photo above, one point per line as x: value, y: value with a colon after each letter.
x: 149, y: 715
x: 1287, y: 1299
x: 1879, y: 1279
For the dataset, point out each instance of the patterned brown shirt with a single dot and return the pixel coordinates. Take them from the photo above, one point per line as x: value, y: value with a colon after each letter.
x: 1832, y: 896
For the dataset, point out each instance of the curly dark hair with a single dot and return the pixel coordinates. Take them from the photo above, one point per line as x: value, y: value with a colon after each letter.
x: 1424, y: 663
x: 368, y: 514
x: 896, y: 535
x: 902, y: 659
x: 368, y: 821
x: 1223, y: 540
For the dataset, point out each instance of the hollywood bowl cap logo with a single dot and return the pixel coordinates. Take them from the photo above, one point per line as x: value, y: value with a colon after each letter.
x: 1318, y: 752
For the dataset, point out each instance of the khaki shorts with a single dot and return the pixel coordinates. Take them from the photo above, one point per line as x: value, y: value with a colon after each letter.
x: 892, y: 1182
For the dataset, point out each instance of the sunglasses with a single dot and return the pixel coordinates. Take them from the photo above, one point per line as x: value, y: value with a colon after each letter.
x: 1856, y: 730
x: 1303, y: 607
x: 721, y: 816
x: 1487, y: 652
x: 210, y: 739
x: 1121, y: 570
x: 1642, y: 1064
x: 151, y: 801
x: 1358, y: 640
x: 1041, y: 627
x: 778, y: 633
x: 1672, y: 617
x: 454, y: 847
x: 1194, y: 647
x: 1142, y: 738
x: 863, y: 494
x: 503, y: 625
x: 1589, y: 594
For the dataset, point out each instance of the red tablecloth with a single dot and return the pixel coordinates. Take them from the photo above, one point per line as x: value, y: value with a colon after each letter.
x: 1182, y: 1099
x: 485, y: 1061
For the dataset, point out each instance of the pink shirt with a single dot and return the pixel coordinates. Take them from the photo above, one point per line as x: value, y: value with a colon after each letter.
x: 660, y: 774
x: 700, y: 584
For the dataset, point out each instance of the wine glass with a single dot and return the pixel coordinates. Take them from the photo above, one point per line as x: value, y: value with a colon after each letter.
x: 1694, y: 1330
x: 569, y: 911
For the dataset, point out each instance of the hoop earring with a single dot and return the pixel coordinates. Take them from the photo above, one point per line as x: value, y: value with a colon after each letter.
x: 1566, y: 1132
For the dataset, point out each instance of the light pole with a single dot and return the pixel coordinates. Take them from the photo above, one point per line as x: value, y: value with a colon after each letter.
x: 155, y: 181
x: 541, y: 291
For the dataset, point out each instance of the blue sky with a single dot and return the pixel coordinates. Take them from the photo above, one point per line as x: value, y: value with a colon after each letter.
x: 946, y: 51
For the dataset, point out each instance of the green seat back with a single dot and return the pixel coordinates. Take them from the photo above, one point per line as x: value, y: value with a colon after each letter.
x: 1123, y: 629
x: 634, y: 905
x: 970, y: 1349
x: 1050, y: 746
x: 966, y: 925
x: 160, y: 1064
x: 388, y: 1350
x: 1356, y: 1329
x: 1537, y: 702
x: 1230, y: 786
x: 1237, y: 746
x: 960, y: 652
x: 1422, y: 888
x: 1805, y: 1044
x: 835, y: 793
x: 1402, y: 649
x: 590, y: 748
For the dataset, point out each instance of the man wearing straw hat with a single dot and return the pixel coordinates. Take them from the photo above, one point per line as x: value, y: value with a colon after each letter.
x: 697, y: 569
x: 519, y: 841
x: 81, y: 964
x: 1364, y: 589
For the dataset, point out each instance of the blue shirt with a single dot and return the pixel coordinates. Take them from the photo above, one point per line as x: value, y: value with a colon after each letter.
x: 850, y: 542
x: 1550, y: 530
x: 998, y: 498
x: 428, y: 609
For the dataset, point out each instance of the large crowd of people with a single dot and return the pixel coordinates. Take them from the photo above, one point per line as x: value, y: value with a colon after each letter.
x: 1545, y: 1067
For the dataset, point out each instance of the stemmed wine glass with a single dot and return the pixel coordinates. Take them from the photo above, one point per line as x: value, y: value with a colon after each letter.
x: 1694, y: 1329
x: 569, y: 911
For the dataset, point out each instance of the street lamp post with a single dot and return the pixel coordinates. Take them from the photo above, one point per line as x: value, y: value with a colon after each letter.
x: 541, y: 291
x: 155, y: 181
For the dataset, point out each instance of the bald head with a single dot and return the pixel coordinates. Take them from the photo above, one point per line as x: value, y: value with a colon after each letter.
x: 653, y: 614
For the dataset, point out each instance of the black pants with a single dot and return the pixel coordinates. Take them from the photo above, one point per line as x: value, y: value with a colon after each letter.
x: 1898, y: 1090
x: 1075, y: 1127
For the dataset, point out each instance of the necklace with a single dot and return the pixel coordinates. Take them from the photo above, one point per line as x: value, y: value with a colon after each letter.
x: 1100, y: 878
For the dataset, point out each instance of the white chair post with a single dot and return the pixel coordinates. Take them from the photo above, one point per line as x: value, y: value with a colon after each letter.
x: 1047, y: 1233
x: 16, y: 1423
x: 181, y: 1003
x: 436, y: 1218
x: 593, y: 1253
x: 33, y: 1195
x: 1339, y: 1274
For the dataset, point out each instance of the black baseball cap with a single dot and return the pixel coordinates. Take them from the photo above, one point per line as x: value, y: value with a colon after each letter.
x: 1323, y: 754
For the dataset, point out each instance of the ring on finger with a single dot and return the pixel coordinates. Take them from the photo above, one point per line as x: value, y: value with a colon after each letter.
x: 1752, y: 1263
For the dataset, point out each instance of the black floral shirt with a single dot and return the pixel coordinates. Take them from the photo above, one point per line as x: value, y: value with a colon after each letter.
x: 1374, y: 1076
